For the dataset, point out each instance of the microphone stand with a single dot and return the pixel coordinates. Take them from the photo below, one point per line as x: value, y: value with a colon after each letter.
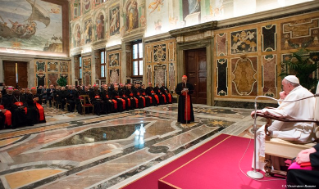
x: 254, y: 174
x: 186, y: 105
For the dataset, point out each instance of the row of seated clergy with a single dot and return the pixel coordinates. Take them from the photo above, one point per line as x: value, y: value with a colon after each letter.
x: 295, y: 122
x: 26, y: 110
x: 116, y: 100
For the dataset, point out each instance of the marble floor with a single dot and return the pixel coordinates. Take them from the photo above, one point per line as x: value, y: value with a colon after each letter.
x: 73, y: 151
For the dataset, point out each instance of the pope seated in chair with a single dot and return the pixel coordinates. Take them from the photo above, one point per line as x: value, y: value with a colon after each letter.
x: 297, y: 132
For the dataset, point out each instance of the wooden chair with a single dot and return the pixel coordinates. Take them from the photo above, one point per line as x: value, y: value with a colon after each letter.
x: 285, y: 149
x: 85, y: 102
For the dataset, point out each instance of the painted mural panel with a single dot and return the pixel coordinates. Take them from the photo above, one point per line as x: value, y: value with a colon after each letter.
x: 31, y: 25
x: 300, y: 33
x: 114, y: 20
x: 87, y: 63
x: 244, y: 79
x: 244, y: 41
x: 76, y: 8
x: 115, y: 76
x: 131, y: 13
x: 88, y: 31
x: 157, y: 16
x: 86, y: 6
x: 222, y: 89
x: 77, y: 37
x: 114, y: 59
x: 100, y: 26
x: 269, y: 75
x: 269, y: 38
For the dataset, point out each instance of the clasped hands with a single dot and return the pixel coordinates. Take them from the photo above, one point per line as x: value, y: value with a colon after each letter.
x: 303, y: 156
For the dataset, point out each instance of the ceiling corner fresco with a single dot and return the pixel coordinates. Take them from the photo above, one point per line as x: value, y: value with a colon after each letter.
x: 31, y: 25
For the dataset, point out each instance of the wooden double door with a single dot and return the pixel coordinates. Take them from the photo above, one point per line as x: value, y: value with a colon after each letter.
x: 196, y: 71
x: 15, y: 74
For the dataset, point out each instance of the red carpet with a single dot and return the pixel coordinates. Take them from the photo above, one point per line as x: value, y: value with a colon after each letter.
x: 212, y: 165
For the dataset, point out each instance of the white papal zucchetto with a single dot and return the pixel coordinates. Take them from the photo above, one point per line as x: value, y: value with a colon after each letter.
x: 292, y: 79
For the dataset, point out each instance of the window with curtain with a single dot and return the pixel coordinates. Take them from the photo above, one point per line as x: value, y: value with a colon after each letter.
x: 103, y: 63
x: 80, y: 67
x: 137, y: 59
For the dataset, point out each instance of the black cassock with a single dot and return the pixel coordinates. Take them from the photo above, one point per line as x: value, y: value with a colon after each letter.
x: 19, y: 117
x: 297, y: 178
x: 182, y: 103
x: 35, y: 112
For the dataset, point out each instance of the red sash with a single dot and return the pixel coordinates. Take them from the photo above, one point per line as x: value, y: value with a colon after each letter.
x: 21, y: 104
x: 143, y: 100
x: 136, y: 102
x: 97, y: 96
x: 187, y: 108
x: 138, y: 93
x: 123, y: 101
x: 115, y: 104
x: 151, y: 99
x: 164, y: 97
x: 8, y: 120
x: 107, y: 96
x: 1, y: 107
x: 143, y: 94
x: 157, y: 99
x: 128, y: 102
x: 41, y: 111
x: 169, y: 98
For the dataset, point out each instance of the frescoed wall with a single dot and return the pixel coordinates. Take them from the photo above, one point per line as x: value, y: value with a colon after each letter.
x: 31, y: 25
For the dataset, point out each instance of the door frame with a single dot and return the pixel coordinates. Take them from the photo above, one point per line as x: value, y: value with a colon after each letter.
x: 181, y: 67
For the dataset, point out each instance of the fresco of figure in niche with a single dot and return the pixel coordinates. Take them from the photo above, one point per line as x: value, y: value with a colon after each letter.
x: 115, y: 20
x: 131, y: 15
x: 77, y: 36
x: 100, y: 27
x: 88, y: 31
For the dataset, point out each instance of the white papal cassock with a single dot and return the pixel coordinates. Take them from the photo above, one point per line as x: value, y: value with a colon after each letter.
x: 299, y: 132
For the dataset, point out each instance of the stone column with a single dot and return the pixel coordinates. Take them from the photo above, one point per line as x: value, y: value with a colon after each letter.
x: 1, y: 71
x: 93, y: 67
x: 123, y: 63
x: 71, y: 71
x: 31, y: 73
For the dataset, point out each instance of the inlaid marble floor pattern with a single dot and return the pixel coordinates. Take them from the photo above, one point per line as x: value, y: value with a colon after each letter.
x: 72, y: 151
